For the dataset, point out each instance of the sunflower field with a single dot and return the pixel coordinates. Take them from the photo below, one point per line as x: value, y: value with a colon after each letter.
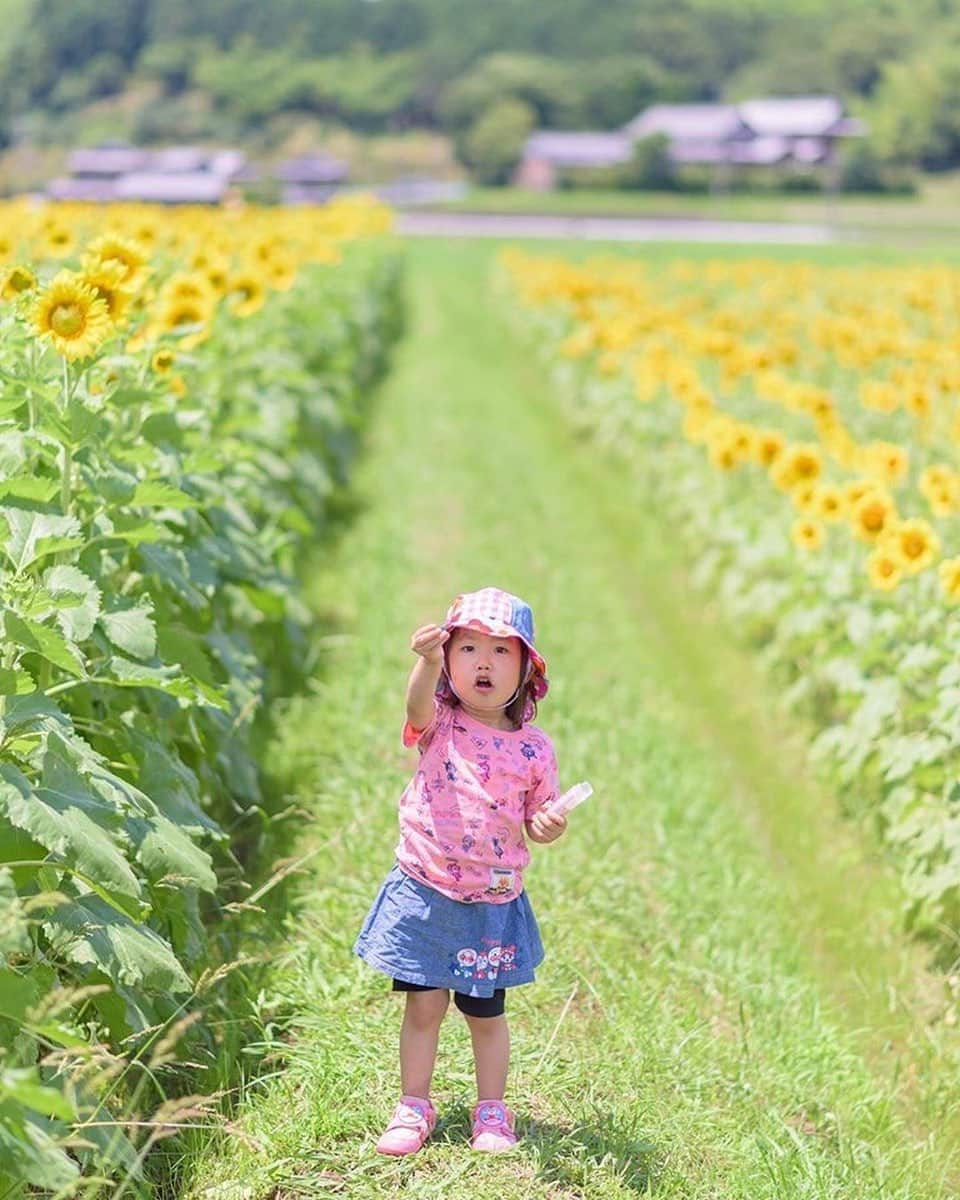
x: 799, y: 428
x: 180, y: 396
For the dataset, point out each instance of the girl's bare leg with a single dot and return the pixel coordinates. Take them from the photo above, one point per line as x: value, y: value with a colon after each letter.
x: 491, y: 1055
x: 419, y: 1035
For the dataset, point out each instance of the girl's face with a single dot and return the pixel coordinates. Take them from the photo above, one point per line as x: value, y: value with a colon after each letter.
x: 484, y: 670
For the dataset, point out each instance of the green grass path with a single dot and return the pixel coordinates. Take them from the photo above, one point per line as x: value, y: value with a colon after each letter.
x: 726, y: 1008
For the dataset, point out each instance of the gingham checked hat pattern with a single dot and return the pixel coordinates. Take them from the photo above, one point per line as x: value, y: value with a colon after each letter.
x: 500, y: 614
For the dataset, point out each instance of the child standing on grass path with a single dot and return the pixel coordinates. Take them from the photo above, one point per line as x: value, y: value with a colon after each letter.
x: 452, y: 913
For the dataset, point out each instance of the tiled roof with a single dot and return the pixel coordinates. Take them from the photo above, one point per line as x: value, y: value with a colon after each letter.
x: 311, y: 168
x: 181, y: 187
x: 799, y: 116
x: 94, y: 190
x: 106, y: 161
x: 688, y: 121
x: 576, y: 149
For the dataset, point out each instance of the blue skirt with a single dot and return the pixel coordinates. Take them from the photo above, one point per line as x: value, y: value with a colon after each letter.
x: 415, y: 933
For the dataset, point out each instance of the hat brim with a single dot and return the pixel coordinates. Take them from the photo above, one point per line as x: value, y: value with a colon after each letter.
x: 501, y: 629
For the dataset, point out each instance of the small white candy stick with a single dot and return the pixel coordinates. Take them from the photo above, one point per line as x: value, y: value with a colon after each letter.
x: 571, y: 798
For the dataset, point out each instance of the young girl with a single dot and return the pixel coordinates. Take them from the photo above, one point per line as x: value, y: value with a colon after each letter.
x: 452, y: 913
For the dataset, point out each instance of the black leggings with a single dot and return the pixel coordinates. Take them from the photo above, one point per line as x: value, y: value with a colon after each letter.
x: 473, y: 1006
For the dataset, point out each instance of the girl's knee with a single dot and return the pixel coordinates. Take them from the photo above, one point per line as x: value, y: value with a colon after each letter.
x: 427, y: 1008
x: 485, y: 1025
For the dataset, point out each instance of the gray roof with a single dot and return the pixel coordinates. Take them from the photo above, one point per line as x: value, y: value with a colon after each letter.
x: 182, y: 187
x: 576, y: 149
x: 94, y: 190
x: 311, y: 168
x: 688, y: 121
x: 106, y: 161
x: 179, y: 158
x: 797, y: 116
x: 311, y: 193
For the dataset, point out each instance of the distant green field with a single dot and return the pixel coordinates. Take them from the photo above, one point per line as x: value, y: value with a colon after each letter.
x: 935, y: 212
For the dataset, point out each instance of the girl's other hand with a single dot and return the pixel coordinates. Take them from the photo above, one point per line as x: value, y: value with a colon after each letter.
x: 428, y: 642
x: 546, y: 826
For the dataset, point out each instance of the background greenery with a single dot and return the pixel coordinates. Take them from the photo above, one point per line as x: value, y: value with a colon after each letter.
x: 158, y: 70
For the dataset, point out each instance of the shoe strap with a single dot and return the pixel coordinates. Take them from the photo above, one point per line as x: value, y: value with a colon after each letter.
x: 492, y: 1114
x: 409, y: 1113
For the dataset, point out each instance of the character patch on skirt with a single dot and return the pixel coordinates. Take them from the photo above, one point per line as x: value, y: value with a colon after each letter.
x: 485, y: 963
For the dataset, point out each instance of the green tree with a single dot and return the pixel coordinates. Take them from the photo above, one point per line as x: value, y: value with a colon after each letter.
x: 547, y: 87
x: 494, y: 143
x: 651, y: 167
x: 916, y: 116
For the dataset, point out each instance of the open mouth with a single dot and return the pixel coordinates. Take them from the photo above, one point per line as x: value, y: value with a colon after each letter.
x: 484, y: 685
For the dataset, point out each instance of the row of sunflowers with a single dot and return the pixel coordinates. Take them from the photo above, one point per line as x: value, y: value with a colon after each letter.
x: 801, y: 424
x: 181, y: 393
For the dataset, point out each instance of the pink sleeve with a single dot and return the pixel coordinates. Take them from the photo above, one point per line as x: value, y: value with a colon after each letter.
x: 411, y: 736
x: 545, y: 788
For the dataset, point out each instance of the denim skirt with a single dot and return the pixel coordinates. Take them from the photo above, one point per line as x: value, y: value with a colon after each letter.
x: 415, y: 933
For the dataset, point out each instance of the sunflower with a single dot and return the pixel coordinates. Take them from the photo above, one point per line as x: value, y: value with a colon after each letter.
x: 918, y: 402
x: 16, y: 282
x: 942, y: 501
x: 178, y: 312
x: 797, y: 464
x: 125, y: 251
x: 281, y: 273
x: 884, y: 571
x: 189, y: 286
x: 248, y: 294
x: 768, y: 446
x: 162, y: 361
x: 806, y: 533
x: 934, y: 479
x: 71, y: 314
x: 723, y: 453
x: 872, y: 514
x: 695, y: 424
x: 805, y: 498
x: 949, y: 573
x: 106, y: 279
x: 831, y: 503
x: 913, y: 542
x: 887, y: 461
x: 57, y: 242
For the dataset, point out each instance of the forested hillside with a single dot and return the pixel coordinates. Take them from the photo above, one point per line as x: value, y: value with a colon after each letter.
x: 221, y: 68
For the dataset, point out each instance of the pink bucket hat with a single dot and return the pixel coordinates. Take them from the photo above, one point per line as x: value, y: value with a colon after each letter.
x: 500, y: 614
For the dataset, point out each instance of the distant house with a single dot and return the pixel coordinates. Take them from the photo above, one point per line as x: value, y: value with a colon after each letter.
x: 94, y: 172
x: 310, y: 178
x: 547, y: 153
x: 767, y: 132
x: 804, y: 129
x: 810, y: 126
x: 174, y: 175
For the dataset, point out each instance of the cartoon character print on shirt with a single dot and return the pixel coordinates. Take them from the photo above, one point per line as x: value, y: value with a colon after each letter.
x: 462, y: 825
x: 498, y: 840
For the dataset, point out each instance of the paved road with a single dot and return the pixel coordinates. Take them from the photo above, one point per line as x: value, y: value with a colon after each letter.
x: 613, y: 229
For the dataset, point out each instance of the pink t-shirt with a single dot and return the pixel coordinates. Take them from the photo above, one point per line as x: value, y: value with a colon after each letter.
x: 462, y: 813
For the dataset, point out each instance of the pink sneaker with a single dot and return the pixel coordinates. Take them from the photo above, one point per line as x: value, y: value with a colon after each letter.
x: 411, y: 1124
x: 493, y: 1126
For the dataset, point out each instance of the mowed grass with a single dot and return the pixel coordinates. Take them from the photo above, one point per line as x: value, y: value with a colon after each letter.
x: 727, y: 1008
